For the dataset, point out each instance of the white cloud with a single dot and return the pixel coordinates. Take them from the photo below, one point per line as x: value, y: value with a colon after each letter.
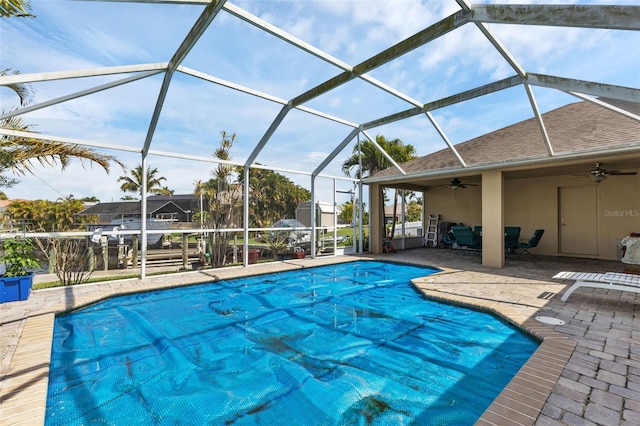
x: 314, y: 157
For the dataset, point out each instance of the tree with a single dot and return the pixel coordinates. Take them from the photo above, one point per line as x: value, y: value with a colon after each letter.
x: 272, y: 197
x: 68, y: 256
x: 224, y: 195
x: 133, y: 183
x: 17, y: 153
x: 414, y: 211
x: 47, y: 216
x: 346, y: 212
x: 15, y: 8
x: 373, y: 161
x: 24, y: 91
x: 91, y: 199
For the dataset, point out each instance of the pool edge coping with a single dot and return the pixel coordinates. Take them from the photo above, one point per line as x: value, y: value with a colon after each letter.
x: 522, y: 400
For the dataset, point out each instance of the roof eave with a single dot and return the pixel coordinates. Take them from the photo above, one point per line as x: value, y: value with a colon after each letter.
x: 633, y: 147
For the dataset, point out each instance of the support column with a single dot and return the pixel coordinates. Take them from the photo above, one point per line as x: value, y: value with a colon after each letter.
x: 376, y: 218
x: 492, y: 219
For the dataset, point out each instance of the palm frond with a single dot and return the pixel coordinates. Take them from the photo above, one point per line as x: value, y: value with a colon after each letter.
x: 15, y: 8
x: 24, y: 91
x: 20, y: 153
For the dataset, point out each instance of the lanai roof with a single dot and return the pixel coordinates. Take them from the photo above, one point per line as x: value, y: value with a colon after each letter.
x: 205, y: 73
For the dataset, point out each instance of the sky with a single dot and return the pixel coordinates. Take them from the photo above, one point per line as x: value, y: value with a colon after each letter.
x: 76, y: 35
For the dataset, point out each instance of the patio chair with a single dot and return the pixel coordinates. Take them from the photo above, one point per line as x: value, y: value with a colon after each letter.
x: 466, y: 239
x: 447, y: 240
x: 607, y: 281
x: 511, y: 237
x: 522, y: 248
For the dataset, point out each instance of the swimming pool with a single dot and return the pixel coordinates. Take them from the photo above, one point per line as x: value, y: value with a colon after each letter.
x: 344, y: 344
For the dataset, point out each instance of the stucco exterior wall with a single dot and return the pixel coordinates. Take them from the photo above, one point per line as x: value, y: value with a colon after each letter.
x: 534, y: 203
x: 459, y: 206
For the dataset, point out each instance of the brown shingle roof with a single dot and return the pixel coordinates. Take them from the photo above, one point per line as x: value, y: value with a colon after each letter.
x: 577, y: 127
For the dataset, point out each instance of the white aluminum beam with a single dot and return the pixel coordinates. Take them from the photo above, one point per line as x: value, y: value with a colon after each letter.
x: 265, y: 138
x: 430, y: 33
x: 143, y: 217
x: 84, y: 142
x: 283, y: 35
x: 300, y: 172
x: 211, y: 160
x: 444, y: 102
x: 249, y: 91
x: 201, y: 25
x: 493, y: 39
x: 79, y: 94
x: 583, y: 16
x: 302, y: 45
x: 486, y: 89
x: 194, y: 2
x: 606, y: 105
x: 230, y: 85
x: 444, y: 137
x: 390, y: 90
x: 90, y: 72
x: 385, y: 153
x: 208, y: 159
x: 538, y: 116
x: 585, y: 87
x: 245, y: 217
x: 333, y: 154
x: 327, y: 116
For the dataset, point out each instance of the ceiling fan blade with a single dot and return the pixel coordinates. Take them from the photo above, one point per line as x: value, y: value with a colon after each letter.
x: 617, y: 173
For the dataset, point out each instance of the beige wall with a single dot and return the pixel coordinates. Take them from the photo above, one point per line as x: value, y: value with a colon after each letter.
x: 376, y: 219
x: 493, y: 219
x: 533, y: 203
x: 460, y: 206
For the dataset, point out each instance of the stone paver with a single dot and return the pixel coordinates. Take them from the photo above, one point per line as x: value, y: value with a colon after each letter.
x: 586, y: 371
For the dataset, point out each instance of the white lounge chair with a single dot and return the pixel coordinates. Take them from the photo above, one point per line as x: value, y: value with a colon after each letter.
x: 608, y: 280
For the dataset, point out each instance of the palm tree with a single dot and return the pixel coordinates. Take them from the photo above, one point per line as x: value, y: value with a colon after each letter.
x: 224, y: 195
x: 133, y: 183
x: 15, y: 8
x: 24, y: 91
x: 273, y: 196
x: 368, y: 160
x: 18, y: 153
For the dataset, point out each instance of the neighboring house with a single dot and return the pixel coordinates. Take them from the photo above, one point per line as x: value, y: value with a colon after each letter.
x: 6, y: 224
x: 189, y: 203
x: 584, y: 209
x: 388, y: 213
x: 324, y: 214
x: 156, y: 209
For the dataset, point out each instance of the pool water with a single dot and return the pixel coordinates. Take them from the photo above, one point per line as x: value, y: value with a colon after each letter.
x: 347, y: 344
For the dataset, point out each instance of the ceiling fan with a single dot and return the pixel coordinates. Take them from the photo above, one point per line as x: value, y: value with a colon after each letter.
x: 457, y: 184
x: 598, y: 174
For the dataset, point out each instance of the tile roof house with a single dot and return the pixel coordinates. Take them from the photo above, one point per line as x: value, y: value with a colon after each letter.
x: 583, y: 187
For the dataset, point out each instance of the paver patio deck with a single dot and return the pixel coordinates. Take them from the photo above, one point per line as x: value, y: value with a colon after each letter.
x: 586, y: 371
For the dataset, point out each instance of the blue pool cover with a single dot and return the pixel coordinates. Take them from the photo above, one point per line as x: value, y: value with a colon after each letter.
x: 348, y: 344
